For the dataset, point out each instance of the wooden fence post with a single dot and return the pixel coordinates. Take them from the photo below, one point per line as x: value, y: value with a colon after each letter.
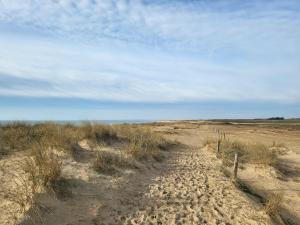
x: 235, y: 166
x: 218, y: 148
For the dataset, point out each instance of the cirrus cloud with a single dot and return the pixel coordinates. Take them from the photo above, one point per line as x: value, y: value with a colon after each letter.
x: 151, y: 51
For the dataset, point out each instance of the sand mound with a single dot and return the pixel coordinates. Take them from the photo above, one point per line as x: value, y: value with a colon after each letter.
x: 187, y: 188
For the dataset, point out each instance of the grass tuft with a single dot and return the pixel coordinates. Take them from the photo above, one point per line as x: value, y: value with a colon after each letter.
x: 144, y: 144
x: 108, y: 162
x: 99, y: 134
x: 273, y: 205
x: 256, y: 153
x: 208, y: 141
x: 43, y: 168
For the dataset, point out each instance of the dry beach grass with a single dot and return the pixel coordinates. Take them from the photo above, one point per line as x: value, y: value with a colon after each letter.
x: 142, y: 174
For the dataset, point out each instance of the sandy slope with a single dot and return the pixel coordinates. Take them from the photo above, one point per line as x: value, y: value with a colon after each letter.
x: 187, y: 188
x: 262, y: 180
x: 193, y: 191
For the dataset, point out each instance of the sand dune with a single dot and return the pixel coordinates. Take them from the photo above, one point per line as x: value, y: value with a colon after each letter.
x: 188, y: 187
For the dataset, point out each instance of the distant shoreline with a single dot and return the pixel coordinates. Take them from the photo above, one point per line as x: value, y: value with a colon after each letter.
x: 112, y: 122
x: 78, y: 122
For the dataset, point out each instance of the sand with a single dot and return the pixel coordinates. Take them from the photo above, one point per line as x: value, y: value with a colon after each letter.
x: 187, y: 188
x: 192, y: 191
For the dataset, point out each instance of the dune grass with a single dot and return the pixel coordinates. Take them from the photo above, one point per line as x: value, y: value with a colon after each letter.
x: 43, y: 168
x: 208, y: 141
x: 144, y: 144
x: 255, y: 153
x: 273, y: 204
x: 36, y: 173
x: 109, y: 162
x: 104, y: 162
x: 138, y: 142
x: 22, y: 136
x: 99, y: 134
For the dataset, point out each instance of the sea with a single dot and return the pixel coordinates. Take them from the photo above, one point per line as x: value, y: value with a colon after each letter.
x: 78, y: 122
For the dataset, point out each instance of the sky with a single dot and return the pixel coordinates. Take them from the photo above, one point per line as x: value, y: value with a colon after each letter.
x: 151, y: 59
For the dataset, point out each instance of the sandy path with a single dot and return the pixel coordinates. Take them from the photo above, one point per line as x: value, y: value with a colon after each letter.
x: 190, y: 190
x: 187, y: 188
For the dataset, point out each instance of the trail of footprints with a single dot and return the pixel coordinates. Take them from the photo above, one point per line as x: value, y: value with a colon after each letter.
x: 193, y: 193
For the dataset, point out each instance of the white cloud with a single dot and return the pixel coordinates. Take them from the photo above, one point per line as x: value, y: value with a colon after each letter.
x: 155, y: 52
x: 174, y: 24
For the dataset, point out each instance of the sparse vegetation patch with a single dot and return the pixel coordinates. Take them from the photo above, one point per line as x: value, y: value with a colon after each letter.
x: 144, y: 144
x: 43, y: 168
x: 255, y: 153
x: 273, y: 204
x: 109, y: 162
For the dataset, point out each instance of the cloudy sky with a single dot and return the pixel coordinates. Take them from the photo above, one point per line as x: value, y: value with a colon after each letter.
x: 151, y: 59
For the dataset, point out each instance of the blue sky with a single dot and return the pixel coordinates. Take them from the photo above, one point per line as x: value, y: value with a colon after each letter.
x: 104, y: 59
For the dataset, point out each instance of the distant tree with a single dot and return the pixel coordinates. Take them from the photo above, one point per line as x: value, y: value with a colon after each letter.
x: 276, y: 118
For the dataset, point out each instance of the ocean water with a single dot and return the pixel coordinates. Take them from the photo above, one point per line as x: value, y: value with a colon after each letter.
x: 78, y: 122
